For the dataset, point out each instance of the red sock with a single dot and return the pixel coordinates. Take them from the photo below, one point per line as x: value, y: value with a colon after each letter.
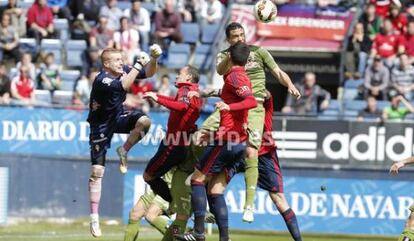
x: 127, y: 146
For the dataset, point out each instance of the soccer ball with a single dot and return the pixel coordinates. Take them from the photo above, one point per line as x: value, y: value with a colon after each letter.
x: 265, y: 11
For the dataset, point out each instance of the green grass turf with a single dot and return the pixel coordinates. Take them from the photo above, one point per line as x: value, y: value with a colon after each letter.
x: 79, y: 231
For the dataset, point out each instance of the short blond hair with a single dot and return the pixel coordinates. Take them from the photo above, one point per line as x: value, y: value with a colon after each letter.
x: 108, y: 51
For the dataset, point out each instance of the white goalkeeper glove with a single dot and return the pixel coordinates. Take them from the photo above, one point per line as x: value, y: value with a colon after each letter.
x: 155, y: 51
x: 142, y: 60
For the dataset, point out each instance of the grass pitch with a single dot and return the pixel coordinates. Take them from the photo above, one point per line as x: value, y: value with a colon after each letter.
x: 79, y: 231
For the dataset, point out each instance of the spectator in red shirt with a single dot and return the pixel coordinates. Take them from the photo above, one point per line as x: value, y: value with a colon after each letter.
x: 406, y: 43
x: 399, y: 20
x: 386, y: 44
x: 40, y: 21
x: 168, y: 24
x: 382, y: 7
x: 22, y: 88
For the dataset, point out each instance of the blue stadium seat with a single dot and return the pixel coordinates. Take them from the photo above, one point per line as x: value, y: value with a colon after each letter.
x: 209, y: 32
x: 69, y: 78
x: 203, y: 80
x: 61, y: 25
x: 353, y: 84
x: 381, y: 104
x: 210, y: 105
x: 62, y: 97
x: 75, y: 50
x: 43, y: 96
x: 124, y: 5
x: 150, y: 6
x: 25, y: 4
x: 355, y: 105
x: 178, y: 55
x: 3, y: 2
x: 350, y: 94
x: 13, y: 73
x: 334, y: 105
x: 52, y: 46
x: 350, y: 114
x: 191, y: 32
x: 202, y: 57
x: 29, y: 45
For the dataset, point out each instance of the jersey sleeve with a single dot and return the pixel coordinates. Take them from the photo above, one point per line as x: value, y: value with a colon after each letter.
x: 267, y: 58
x: 141, y: 74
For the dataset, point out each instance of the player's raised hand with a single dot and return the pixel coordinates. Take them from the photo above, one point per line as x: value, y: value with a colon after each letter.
x: 155, y: 51
x: 396, y: 166
x: 142, y: 60
x: 151, y: 95
x: 294, y: 91
x: 222, y: 106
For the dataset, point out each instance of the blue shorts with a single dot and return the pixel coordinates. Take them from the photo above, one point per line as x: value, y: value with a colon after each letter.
x: 270, y: 176
x: 100, y: 137
x: 166, y: 158
x: 216, y: 158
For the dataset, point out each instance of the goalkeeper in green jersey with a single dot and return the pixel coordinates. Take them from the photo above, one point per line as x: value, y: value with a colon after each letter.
x: 259, y: 59
x: 150, y: 206
x: 408, y: 232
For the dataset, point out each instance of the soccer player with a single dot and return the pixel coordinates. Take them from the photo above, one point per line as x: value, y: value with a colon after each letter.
x: 181, y: 123
x: 258, y: 60
x: 107, y: 116
x: 151, y: 207
x: 229, y: 146
x: 408, y: 232
x: 270, y: 176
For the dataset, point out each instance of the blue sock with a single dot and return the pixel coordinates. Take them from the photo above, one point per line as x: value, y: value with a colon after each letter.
x: 199, y: 204
x: 292, y: 224
x: 219, y: 208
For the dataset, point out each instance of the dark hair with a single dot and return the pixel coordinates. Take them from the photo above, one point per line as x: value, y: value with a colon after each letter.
x: 232, y: 26
x: 193, y: 71
x: 239, y: 53
x: 50, y: 54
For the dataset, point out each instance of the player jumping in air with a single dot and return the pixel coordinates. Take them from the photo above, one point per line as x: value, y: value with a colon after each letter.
x: 270, y: 176
x: 408, y: 232
x: 181, y: 123
x: 258, y: 60
x: 107, y: 116
x: 228, y: 147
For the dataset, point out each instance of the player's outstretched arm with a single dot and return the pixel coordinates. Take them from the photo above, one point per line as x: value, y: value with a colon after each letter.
x: 396, y: 166
x: 129, y: 78
x: 155, y: 53
x: 166, y: 101
x: 285, y: 80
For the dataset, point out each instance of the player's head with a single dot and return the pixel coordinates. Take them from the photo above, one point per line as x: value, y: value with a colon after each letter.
x: 239, y: 53
x: 187, y: 74
x: 235, y: 33
x: 112, y: 61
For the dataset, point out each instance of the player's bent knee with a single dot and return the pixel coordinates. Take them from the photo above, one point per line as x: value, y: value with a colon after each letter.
x: 145, y: 122
x: 97, y: 172
x: 147, y: 177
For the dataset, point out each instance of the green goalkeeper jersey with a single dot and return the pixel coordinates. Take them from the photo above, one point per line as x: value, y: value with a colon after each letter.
x: 259, y: 58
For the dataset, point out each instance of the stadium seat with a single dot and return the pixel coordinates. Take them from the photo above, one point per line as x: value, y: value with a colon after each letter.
x: 178, y: 55
x: 350, y: 114
x: 353, y: 84
x: 3, y: 2
x: 13, y: 73
x: 52, y: 46
x: 209, y: 33
x: 25, y: 4
x: 191, y: 32
x: 381, y: 104
x: 350, y: 94
x: 29, y: 45
x: 124, y: 5
x: 202, y: 57
x: 62, y: 27
x: 334, y: 105
x: 355, y: 105
x: 69, y: 78
x: 43, y: 96
x: 203, y: 80
x: 62, y: 97
x: 150, y: 6
x: 75, y: 50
